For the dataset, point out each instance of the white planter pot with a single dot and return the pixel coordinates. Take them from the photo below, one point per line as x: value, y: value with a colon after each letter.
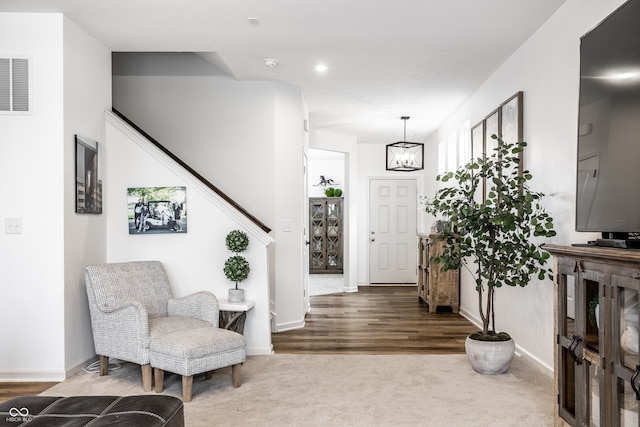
x: 490, y: 357
x: 236, y: 295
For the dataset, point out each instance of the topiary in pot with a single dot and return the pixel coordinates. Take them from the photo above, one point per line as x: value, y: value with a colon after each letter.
x: 237, y: 241
x: 493, y: 239
x: 236, y: 268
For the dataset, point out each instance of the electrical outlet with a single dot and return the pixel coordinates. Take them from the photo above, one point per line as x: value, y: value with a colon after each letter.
x: 13, y: 226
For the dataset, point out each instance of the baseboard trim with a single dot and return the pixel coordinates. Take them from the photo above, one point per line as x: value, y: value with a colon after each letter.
x: 350, y: 289
x: 17, y: 375
x: 261, y: 351
x: 25, y: 376
x: 289, y: 326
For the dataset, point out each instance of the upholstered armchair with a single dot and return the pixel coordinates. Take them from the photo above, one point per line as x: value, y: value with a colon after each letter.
x: 131, y: 303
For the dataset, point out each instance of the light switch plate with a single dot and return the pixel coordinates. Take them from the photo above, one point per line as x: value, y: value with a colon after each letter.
x: 13, y: 226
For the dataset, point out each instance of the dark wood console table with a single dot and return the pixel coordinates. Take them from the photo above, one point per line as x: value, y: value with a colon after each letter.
x: 597, y: 318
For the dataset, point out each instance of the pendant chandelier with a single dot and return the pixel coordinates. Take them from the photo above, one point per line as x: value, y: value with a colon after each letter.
x: 405, y: 156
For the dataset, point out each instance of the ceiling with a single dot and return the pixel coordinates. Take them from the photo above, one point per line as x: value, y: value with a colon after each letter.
x: 385, y: 59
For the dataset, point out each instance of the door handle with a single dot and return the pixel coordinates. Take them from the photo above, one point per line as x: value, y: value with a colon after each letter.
x: 575, y: 342
x: 634, y: 377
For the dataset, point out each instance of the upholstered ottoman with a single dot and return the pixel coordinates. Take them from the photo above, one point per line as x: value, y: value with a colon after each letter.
x: 196, y: 351
x: 138, y: 411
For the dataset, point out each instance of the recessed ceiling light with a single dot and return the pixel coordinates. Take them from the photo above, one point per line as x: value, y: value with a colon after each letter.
x: 321, y: 68
x: 270, y: 62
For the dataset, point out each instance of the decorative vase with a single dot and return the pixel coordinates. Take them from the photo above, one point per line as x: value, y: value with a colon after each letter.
x: 236, y: 295
x: 490, y: 357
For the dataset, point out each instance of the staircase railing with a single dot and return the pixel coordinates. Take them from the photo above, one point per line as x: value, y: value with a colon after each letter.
x: 193, y: 172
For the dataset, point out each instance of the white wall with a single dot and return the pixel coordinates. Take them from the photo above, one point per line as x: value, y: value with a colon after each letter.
x: 31, y: 184
x: 546, y: 69
x: 247, y: 138
x: 329, y: 164
x: 286, y: 196
x: 194, y: 260
x: 47, y: 329
x: 222, y: 128
x: 87, y: 92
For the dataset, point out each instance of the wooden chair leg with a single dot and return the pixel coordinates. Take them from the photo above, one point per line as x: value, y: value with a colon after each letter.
x: 159, y: 379
x: 235, y: 374
x: 187, y: 386
x: 104, y: 365
x: 146, y: 377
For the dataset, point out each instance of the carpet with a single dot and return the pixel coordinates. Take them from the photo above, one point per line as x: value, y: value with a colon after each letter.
x: 348, y: 390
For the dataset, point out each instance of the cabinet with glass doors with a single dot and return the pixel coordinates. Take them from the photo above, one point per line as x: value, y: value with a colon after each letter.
x: 597, y: 362
x: 325, y: 235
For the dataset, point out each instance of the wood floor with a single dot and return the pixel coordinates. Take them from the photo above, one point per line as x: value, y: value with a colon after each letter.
x: 374, y: 320
x: 11, y: 390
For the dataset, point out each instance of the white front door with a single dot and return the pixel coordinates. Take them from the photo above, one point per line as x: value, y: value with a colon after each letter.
x: 393, y: 243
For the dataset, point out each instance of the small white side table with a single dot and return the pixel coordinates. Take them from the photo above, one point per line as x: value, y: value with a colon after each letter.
x: 233, y: 314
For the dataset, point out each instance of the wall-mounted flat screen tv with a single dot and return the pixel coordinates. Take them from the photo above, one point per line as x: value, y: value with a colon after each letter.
x: 608, y: 172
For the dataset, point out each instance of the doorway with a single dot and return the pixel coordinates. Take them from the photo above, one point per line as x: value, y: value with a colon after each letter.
x: 326, y: 169
x: 392, y: 236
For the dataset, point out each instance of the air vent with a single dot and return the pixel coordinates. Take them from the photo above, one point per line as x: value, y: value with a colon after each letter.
x: 15, y: 78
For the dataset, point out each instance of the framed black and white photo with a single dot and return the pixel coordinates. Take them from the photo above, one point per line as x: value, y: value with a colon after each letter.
x: 88, y: 182
x: 155, y: 210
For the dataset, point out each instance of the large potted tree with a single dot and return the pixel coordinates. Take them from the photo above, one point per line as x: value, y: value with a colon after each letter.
x: 498, y: 238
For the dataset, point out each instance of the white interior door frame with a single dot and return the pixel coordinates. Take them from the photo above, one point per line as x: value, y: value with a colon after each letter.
x: 305, y: 232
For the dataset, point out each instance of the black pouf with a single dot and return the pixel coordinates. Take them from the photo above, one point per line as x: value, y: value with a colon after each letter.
x: 134, y: 411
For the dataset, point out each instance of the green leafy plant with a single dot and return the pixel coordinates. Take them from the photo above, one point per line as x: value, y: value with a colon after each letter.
x: 494, y: 238
x: 329, y: 192
x: 337, y: 192
x: 236, y: 268
x: 237, y: 241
